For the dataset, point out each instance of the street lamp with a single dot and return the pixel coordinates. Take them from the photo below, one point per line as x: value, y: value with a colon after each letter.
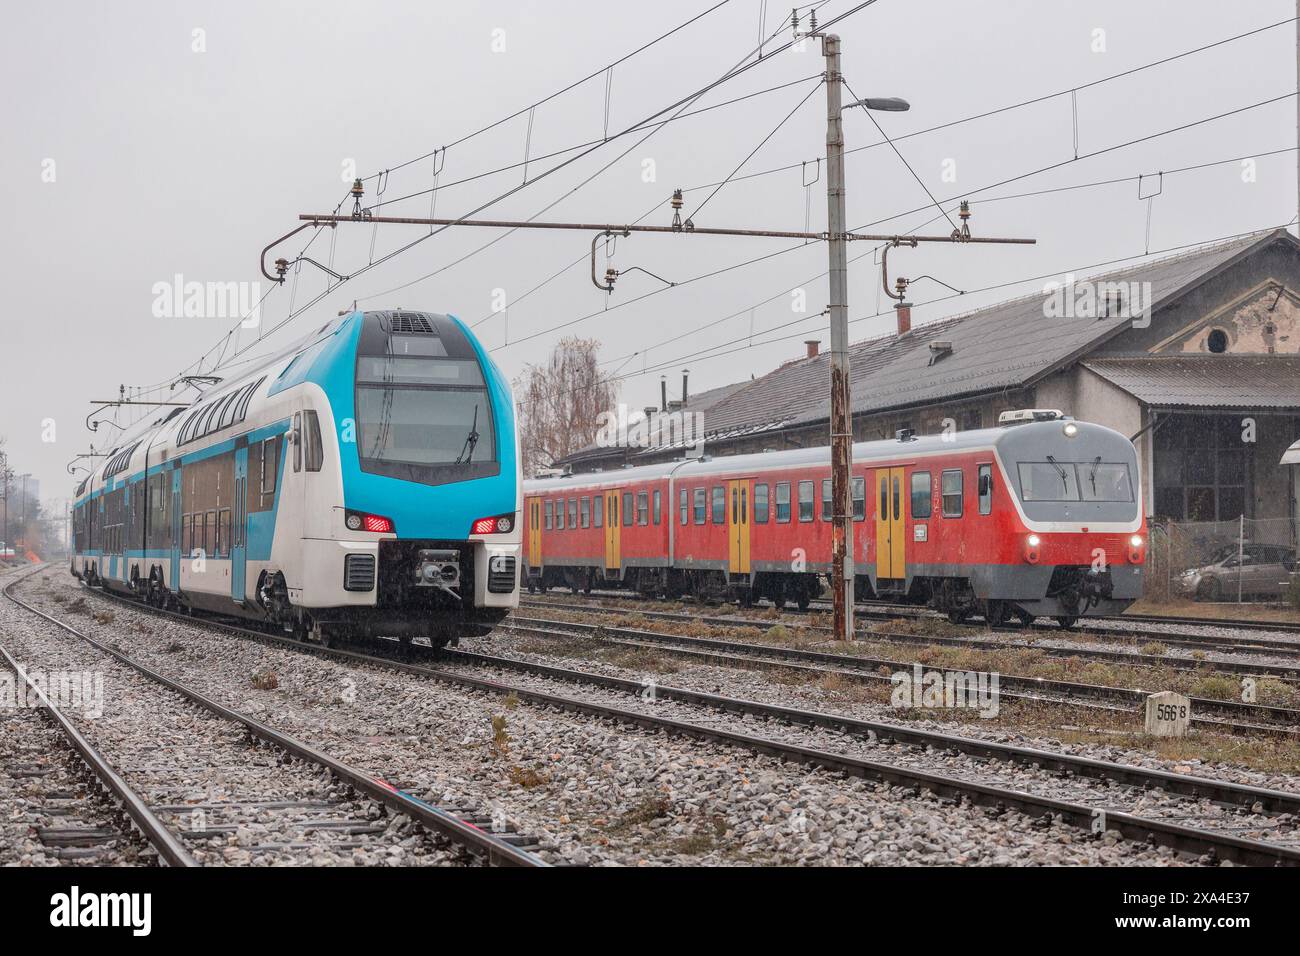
x: 885, y: 104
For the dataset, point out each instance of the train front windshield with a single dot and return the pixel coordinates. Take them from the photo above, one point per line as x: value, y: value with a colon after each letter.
x: 1054, y: 480
x: 423, y: 409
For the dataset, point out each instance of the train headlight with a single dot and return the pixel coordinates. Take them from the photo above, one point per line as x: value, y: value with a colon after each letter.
x: 1031, y: 548
x: 375, y: 524
x: 1070, y: 429
x: 1135, y: 549
x: 1135, y: 541
x: 1033, y: 541
x: 500, y: 524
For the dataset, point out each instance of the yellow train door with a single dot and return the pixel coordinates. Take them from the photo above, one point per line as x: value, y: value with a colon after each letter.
x: 738, y: 526
x: 534, y: 532
x: 891, y: 540
x: 612, y: 557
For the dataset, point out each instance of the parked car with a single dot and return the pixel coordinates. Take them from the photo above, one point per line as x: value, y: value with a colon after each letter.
x: 1263, y: 570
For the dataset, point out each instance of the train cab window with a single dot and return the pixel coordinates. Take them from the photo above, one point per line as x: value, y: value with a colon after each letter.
x: 684, y: 500
x: 920, y: 494
x: 550, y: 520
x: 628, y: 515
x: 859, y: 499
x: 806, y: 507
x: 760, y: 504
x: 573, y: 512
x: 642, y: 508
x: 598, y: 511
x: 313, y: 451
x: 950, y: 487
x: 657, y: 505
x: 828, y: 508
x: 986, y: 488
x: 584, y: 509
x: 559, y: 515
x: 701, y: 504
x: 783, y: 502
x: 718, y: 505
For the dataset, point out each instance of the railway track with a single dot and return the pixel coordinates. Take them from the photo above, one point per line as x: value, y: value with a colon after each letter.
x: 1285, y: 721
x: 1287, y: 675
x: 289, y: 798
x: 1121, y: 624
x: 1195, y: 797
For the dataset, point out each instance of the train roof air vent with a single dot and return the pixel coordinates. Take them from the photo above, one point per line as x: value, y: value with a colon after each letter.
x: 410, y: 323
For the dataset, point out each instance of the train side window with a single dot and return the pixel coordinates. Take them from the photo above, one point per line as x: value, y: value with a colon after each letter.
x: 314, y: 450
x: 783, y: 502
x: 827, y: 509
x: 883, y: 513
x: 297, y: 441
x: 701, y: 504
x: 920, y: 494
x: 559, y: 514
x: 628, y: 515
x: 859, y: 499
x: 573, y: 512
x: 584, y: 508
x: 642, y: 508
x: 550, y: 520
x: 598, y: 511
x: 685, y: 508
x: 210, y: 535
x: 223, y: 533
x: 950, y: 487
x: 719, y: 503
x: 806, y: 507
x: 986, y: 488
x: 266, y: 482
x: 613, y: 510
x: 760, y: 504
x: 658, y: 503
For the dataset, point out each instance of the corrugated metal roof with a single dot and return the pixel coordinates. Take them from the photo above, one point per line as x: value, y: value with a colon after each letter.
x: 1003, y: 346
x: 1206, y: 381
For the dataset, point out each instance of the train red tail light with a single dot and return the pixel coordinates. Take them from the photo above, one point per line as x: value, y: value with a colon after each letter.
x: 376, y: 524
x: 499, y: 524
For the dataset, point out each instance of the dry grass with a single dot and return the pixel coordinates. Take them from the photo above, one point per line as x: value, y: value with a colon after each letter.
x: 1181, y: 607
x: 527, y: 777
x: 265, y: 680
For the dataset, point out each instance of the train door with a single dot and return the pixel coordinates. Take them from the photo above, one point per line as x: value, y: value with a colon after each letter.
x: 738, y: 495
x: 239, y: 531
x: 613, y: 560
x: 535, y: 533
x: 174, y: 579
x: 891, y: 540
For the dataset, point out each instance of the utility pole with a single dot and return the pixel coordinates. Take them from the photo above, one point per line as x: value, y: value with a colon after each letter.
x: 1297, y: 115
x: 838, y: 307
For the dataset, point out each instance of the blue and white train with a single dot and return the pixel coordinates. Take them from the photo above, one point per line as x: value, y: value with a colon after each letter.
x: 363, y: 482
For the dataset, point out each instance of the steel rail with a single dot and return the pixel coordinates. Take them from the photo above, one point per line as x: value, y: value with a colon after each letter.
x: 1180, y: 837
x: 1279, y: 672
x: 864, y: 666
x: 495, y: 849
x: 168, y: 846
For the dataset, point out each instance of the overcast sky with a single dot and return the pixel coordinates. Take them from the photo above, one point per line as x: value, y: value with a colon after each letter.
x: 146, y: 140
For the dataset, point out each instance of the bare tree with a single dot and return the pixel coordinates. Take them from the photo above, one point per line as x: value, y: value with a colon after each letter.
x: 560, y: 403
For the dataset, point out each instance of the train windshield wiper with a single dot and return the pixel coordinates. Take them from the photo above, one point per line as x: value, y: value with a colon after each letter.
x: 1092, y: 474
x: 1065, y: 480
x: 471, y: 440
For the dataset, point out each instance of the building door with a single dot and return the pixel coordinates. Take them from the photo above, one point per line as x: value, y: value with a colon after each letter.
x: 738, y: 526
x: 891, y: 540
x: 535, y: 533
x: 239, y: 527
x: 612, y: 523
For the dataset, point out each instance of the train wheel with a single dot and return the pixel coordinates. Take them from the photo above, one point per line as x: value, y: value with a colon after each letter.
x: 997, y: 613
x: 1066, y: 621
x: 803, y: 600
x: 958, y: 617
x: 1025, y: 618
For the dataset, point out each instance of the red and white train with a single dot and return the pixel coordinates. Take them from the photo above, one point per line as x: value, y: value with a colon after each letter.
x: 1041, y: 516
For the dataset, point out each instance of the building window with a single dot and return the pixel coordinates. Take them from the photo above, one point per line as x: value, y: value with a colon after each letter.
x: 1202, y: 468
x: 972, y: 419
x: 783, y: 502
x: 719, y: 505
x: 920, y: 494
x: 986, y: 488
x: 1217, y: 341
x: 701, y: 504
x: 760, y: 504
x: 950, y: 487
x: 806, y: 506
